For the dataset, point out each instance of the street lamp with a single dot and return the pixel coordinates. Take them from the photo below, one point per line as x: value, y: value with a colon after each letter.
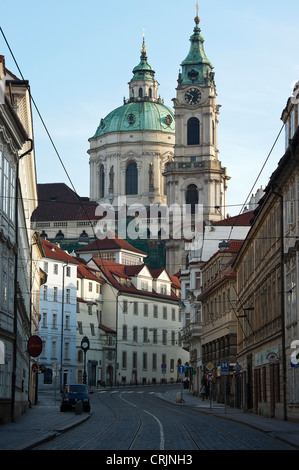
x: 85, y: 347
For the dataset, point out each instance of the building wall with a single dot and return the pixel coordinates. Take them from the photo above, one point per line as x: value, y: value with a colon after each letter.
x: 51, y: 308
x: 259, y: 330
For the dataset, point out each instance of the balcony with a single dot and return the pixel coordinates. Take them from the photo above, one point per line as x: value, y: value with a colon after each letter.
x: 191, y: 333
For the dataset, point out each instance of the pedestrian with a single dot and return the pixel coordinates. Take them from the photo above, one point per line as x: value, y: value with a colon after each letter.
x: 203, y: 392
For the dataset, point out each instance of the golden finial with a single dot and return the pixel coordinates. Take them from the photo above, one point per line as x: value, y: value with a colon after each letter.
x: 197, y: 19
x: 143, y: 50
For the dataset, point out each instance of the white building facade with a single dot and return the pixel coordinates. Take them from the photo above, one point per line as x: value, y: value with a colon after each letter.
x: 58, y: 302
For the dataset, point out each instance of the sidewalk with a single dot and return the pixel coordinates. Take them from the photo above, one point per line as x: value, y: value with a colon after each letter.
x: 41, y: 422
x: 286, y: 431
x: 44, y: 421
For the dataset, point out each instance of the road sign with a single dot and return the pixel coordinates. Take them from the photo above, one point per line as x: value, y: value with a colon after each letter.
x: 163, y: 366
x: 34, y: 346
x: 163, y: 371
x: 224, y: 368
x: 210, y: 376
x: 210, y: 366
x: 181, y: 369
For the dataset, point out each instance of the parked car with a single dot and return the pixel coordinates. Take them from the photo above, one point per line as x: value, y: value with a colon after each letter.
x: 74, y: 393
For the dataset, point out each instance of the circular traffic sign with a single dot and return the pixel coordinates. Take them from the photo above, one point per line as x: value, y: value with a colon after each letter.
x: 34, y: 346
x: 163, y: 366
x: 181, y: 369
x: 210, y: 376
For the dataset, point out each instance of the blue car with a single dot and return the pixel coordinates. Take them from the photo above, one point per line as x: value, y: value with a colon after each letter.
x: 74, y: 393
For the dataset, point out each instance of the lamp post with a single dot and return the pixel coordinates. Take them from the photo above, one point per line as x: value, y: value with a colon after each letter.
x: 85, y: 347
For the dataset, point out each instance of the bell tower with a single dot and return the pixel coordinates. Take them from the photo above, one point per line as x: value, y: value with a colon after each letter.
x: 195, y: 176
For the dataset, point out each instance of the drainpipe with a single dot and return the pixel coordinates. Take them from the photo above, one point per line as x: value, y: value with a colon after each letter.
x: 14, y: 370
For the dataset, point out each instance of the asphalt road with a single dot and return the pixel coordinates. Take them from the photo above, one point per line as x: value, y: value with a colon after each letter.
x: 137, y: 420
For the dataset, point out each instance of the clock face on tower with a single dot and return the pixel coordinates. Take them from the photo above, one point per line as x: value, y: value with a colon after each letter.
x: 192, y: 96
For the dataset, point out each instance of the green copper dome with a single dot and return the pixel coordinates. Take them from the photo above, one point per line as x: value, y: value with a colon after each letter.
x: 144, y: 110
x: 138, y: 116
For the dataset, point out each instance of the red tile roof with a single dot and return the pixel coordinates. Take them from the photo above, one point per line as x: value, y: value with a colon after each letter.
x: 237, y: 220
x: 110, y: 269
x: 83, y: 272
x: 55, y: 252
x: 110, y: 242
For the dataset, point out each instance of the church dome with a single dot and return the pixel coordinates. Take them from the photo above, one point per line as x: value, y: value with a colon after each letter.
x: 144, y: 110
x: 138, y: 115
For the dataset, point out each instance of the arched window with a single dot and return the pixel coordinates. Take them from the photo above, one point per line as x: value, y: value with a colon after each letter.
x: 132, y: 178
x: 193, y: 133
x: 102, y: 182
x: 140, y: 93
x: 150, y: 93
x: 192, y: 197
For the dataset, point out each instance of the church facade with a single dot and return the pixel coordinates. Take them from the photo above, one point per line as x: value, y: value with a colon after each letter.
x: 149, y: 154
x: 132, y: 144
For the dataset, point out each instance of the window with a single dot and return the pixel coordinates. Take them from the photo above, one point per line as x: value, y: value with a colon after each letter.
x: 80, y: 327
x: 45, y: 320
x: 164, y: 313
x: 125, y: 332
x: 46, y: 266
x: 154, y: 361
x: 90, y: 287
x: 193, y: 133
x: 173, y: 338
x: 124, y: 359
x: 92, y: 329
x: 53, y: 349
x: 55, y: 293
x: 5, y: 185
x: 192, y: 197
x: 102, y: 181
x: 135, y: 334
x: 45, y: 292
x: 135, y: 308
x: 68, y: 296
x: 164, y: 337
x: 155, y: 335
x: 131, y: 178
x: 145, y: 310
x: 145, y: 335
x: 155, y: 311
x: 134, y: 360
x: 55, y: 269
x: 68, y: 271
x: 144, y: 285
x: 67, y: 321
x: 173, y: 314
x: 54, y: 322
x: 140, y: 92
x: 144, y: 361
x: 125, y: 306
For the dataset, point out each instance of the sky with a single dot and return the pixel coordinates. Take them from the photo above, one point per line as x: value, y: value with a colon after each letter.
x: 79, y: 56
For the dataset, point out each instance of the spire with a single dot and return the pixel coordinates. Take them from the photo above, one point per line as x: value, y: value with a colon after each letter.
x: 196, y: 68
x: 143, y: 71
